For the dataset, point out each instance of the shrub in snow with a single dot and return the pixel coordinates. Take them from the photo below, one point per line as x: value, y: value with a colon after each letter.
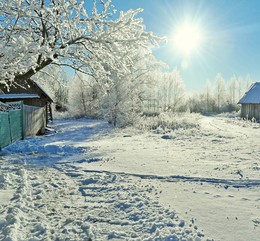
x: 168, y: 120
x: 233, y: 114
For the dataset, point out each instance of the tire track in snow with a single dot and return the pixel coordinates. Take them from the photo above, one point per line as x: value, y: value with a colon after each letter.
x: 217, y: 125
x: 236, y: 183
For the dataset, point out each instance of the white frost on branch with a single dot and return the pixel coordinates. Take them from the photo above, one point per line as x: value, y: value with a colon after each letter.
x: 35, y: 34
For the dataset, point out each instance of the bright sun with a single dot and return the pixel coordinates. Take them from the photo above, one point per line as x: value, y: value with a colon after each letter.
x: 187, y: 38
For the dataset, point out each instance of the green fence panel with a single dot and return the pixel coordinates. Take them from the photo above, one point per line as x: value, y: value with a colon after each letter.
x: 11, y: 123
x: 16, y: 125
x: 5, y: 137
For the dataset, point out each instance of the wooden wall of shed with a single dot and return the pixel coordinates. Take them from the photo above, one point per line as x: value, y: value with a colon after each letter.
x: 250, y: 111
x: 35, y: 102
x: 34, y: 120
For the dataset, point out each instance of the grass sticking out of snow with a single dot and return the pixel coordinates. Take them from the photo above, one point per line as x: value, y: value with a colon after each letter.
x: 168, y: 121
x: 243, y: 123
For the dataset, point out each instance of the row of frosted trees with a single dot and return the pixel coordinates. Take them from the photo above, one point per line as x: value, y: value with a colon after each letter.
x: 221, y: 95
x: 217, y: 96
x: 147, y: 90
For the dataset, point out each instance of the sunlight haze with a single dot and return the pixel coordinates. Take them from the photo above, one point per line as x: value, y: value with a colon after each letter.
x: 232, y: 30
x: 128, y: 120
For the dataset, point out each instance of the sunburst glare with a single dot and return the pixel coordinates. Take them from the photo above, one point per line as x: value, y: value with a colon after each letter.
x: 187, y: 38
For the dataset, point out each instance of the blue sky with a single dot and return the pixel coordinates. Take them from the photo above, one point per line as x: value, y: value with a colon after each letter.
x: 231, y: 30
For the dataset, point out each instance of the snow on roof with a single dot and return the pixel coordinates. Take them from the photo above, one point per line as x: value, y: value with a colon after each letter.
x: 40, y: 87
x: 252, y: 96
x: 19, y: 96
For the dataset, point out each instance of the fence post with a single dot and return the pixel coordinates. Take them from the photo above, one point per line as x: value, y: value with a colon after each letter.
x: 10, y: 127
x: 5, y: 138
x: 22, y: 115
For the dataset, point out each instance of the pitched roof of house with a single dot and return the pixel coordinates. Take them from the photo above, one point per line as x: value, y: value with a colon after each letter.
x: 252, y: 96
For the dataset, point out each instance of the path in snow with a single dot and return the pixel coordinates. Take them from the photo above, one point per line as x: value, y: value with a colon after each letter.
x: 64, y: 203
x: 50, y: 197
x: 211, y: 174
x: 217, y: 150
x: 88, y: 182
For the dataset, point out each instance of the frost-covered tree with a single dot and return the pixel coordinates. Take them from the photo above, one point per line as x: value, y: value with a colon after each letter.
x: 210, y: 104
x: 120, y: 99
x: 85, y: 97
x: 232, y: 87
x: 37, y: 33
x: 171, y: 91
x: 220, y: 91
x: 223, y: 98
x: 203, y: 102
x: 126, y: 93
x: 248, y: 82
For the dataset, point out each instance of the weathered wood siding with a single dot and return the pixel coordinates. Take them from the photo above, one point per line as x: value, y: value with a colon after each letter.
x: 34, y: 120
x: 250, y: 111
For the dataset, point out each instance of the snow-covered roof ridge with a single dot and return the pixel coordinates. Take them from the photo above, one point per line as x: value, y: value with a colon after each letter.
x: 19, y: 96
x: 41, y: 88
x: 252, y: 96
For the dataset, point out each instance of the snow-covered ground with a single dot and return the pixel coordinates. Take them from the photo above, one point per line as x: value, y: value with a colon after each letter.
x: 92, y: 182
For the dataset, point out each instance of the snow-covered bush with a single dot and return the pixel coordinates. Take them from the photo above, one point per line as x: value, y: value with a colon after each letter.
x: 168, y: 121
x: 231, y: 115
x: 234, y: 118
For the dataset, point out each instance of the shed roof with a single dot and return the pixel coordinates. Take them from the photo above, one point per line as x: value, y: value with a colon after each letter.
x: 30, y: 86
x: 18, y: 96
x: 43, y: 91
x: 252, y: 96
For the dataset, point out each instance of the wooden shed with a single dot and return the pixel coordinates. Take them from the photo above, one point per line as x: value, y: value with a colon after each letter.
x: 30, y: 92
x: 250, y: 103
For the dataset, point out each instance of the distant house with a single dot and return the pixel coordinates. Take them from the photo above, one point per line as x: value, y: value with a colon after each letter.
x: 250, y: 103
x: 31, y: 93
